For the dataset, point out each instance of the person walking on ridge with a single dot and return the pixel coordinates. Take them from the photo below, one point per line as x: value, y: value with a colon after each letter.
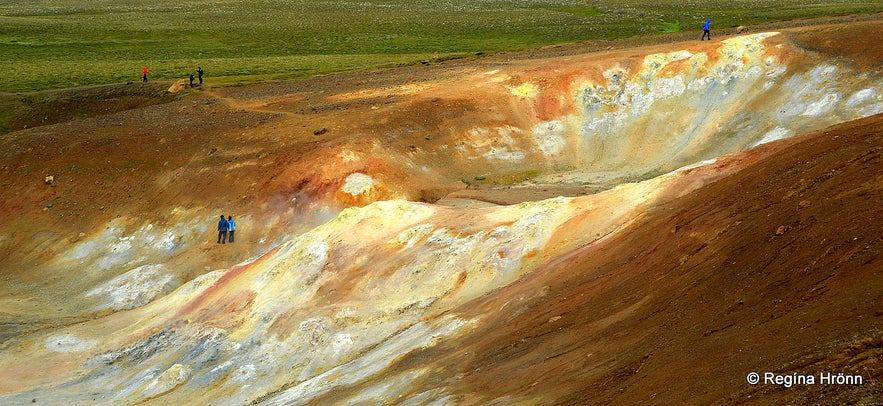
x: 191, y: 80
x: 200, y: 72
x: 706, y: 30
x: 232, y: 225
x: 223, y: 226
x: 144, y: 74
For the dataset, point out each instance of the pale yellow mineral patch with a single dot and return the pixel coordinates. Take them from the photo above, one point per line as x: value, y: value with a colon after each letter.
x: 525, y: 90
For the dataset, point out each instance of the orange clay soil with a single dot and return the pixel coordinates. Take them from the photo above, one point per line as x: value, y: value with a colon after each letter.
x: 775, y: 269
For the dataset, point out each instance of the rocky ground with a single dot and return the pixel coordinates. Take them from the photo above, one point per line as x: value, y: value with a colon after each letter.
x: 401, y: 238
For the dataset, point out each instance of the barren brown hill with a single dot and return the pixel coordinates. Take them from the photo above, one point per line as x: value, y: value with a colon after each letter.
x: 563, y: 226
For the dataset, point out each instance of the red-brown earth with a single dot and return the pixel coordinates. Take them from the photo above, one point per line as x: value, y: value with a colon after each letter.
x: 668, y: 286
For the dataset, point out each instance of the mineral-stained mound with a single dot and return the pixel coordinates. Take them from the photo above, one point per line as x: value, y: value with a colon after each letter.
x: 634, y: 225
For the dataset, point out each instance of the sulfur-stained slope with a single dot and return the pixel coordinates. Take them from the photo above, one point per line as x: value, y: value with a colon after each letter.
x: 331, y: 307
x: 347, y: 284
x: 773, y: 269
x: 147, y: 183
x: 355, y: 309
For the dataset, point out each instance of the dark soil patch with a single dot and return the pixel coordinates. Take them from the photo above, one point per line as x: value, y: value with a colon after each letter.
x: 27, y: 110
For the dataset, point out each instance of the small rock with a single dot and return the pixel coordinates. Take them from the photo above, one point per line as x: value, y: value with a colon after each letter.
x: 782, y: 230
x: 49, y: 179
x: 320, y: 131
x: 178, y: 86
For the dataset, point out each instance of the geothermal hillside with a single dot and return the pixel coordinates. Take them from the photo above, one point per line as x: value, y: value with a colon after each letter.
x: 558, y: 227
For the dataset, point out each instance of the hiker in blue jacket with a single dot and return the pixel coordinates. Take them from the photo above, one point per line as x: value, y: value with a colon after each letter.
x: 706, y: 30
x: 223, y: 226
x: 232, y: 225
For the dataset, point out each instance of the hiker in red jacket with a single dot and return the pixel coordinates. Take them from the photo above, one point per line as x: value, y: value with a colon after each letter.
x: 144, y: 73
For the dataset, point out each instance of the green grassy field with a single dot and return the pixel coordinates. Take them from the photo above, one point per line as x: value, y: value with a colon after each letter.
x: 47, y: 44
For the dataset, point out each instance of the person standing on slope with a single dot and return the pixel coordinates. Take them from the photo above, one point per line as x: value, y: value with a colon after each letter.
x: 706, y: 30
x: 223, y: 226
x: 144, y: 73
x: 232, y: 225
x: 200, y: 72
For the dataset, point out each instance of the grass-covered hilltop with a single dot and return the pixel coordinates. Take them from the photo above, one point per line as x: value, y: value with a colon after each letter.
x: 51, y: 44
